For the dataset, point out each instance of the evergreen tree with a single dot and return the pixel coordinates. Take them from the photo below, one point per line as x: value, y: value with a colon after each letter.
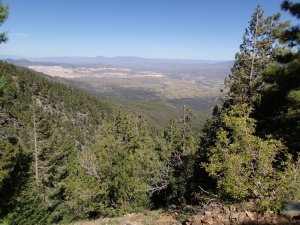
x: 56, y: 119
x: 117, y: 172
x: 245, y: 83
x: 204, y: 183
x: 256, y: 51
x: 2, y: 86
x: 3, y: 17
x: 12, y: 162
x: 246, y: 167
x: 177, y: 147
x: 3, y: 38
x: 279, y: 111
x: 291, y: 35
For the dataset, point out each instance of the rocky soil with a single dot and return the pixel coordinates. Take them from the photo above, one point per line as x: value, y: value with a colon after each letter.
x: 228, y: 216
x: 213, y: 216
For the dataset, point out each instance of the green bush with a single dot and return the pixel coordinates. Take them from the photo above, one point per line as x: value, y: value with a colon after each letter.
x: 115, y: 173
x: 248, y: 167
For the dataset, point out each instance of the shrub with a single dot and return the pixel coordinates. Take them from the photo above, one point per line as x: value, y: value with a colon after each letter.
x: 248, y: 167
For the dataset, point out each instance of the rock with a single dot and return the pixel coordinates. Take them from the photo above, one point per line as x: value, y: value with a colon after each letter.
x: 220, y: 216
x: 242, y: 217
x: 234, y: 216
x: 197, y: 223
x: 166, y: 219
x: 268, y: 219
x: 283, y: 220
x: 291, y: 209
x: 260, y: 220
x: 225, y: 220
x: 197, y: 218
x: 133, y: 223
x: 225, y: 210
x: 215, y: 212
x: 232, y: 208
x: 207, y: 220
x: 248, y: 206
x: 190, y: 219
x: 250, y: 215
x: 207, y: 213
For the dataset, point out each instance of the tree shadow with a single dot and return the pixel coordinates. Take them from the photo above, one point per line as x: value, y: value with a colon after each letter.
x: 280, y: 221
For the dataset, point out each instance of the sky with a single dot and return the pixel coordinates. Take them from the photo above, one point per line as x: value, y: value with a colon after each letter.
x: 173, y: 29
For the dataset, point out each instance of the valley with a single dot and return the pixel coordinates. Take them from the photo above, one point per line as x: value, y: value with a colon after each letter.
x: 156, y: 88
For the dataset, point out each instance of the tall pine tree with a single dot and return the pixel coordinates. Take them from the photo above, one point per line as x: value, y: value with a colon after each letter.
x: 256, y: 51
x: 279, y: 111
x: 3, y: 17
x: 177, y: 147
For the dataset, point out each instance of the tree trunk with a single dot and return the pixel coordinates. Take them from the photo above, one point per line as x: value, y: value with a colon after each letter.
x: 253, y: 56
x: 36, y: 153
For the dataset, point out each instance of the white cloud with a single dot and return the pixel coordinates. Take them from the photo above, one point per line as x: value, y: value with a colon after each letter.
x: 21, y: 34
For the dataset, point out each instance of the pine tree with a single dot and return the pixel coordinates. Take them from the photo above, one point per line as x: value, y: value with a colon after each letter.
x: 118, y: 171
x: 245, y: 83
x: 246, y: 167
x: 256, y: 51
x: 3, y: 17
x: 41, y: 133
x: 3, y: 38
x: 177, y: 147
x: 9, y: 160
x: 65, y: 119
x: 279, y: 111
x: 2, y: 86
x: 204, y: 183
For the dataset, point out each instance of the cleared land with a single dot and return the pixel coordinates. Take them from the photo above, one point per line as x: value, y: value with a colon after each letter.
x: 159, y: 93
x: 110, y: 81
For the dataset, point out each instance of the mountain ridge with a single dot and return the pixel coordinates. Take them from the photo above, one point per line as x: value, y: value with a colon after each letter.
x: 97, y: 59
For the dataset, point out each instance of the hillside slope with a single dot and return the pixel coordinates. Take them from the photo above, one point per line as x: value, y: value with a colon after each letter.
x: 158, y: 90
x: 43, y: 123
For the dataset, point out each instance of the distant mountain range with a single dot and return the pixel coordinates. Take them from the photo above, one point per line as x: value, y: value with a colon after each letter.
x: 108, y: 60
x: 172, y: 67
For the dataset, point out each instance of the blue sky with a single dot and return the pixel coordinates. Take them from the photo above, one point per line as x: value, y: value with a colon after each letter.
x: 179, y: 29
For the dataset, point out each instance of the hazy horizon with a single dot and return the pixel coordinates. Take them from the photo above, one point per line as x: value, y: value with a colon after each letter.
x: 193, y: 30
x: 18, y: 57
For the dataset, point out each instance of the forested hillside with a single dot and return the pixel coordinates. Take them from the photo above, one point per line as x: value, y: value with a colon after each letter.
x: 42, y: 125
x: 64, y: 155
